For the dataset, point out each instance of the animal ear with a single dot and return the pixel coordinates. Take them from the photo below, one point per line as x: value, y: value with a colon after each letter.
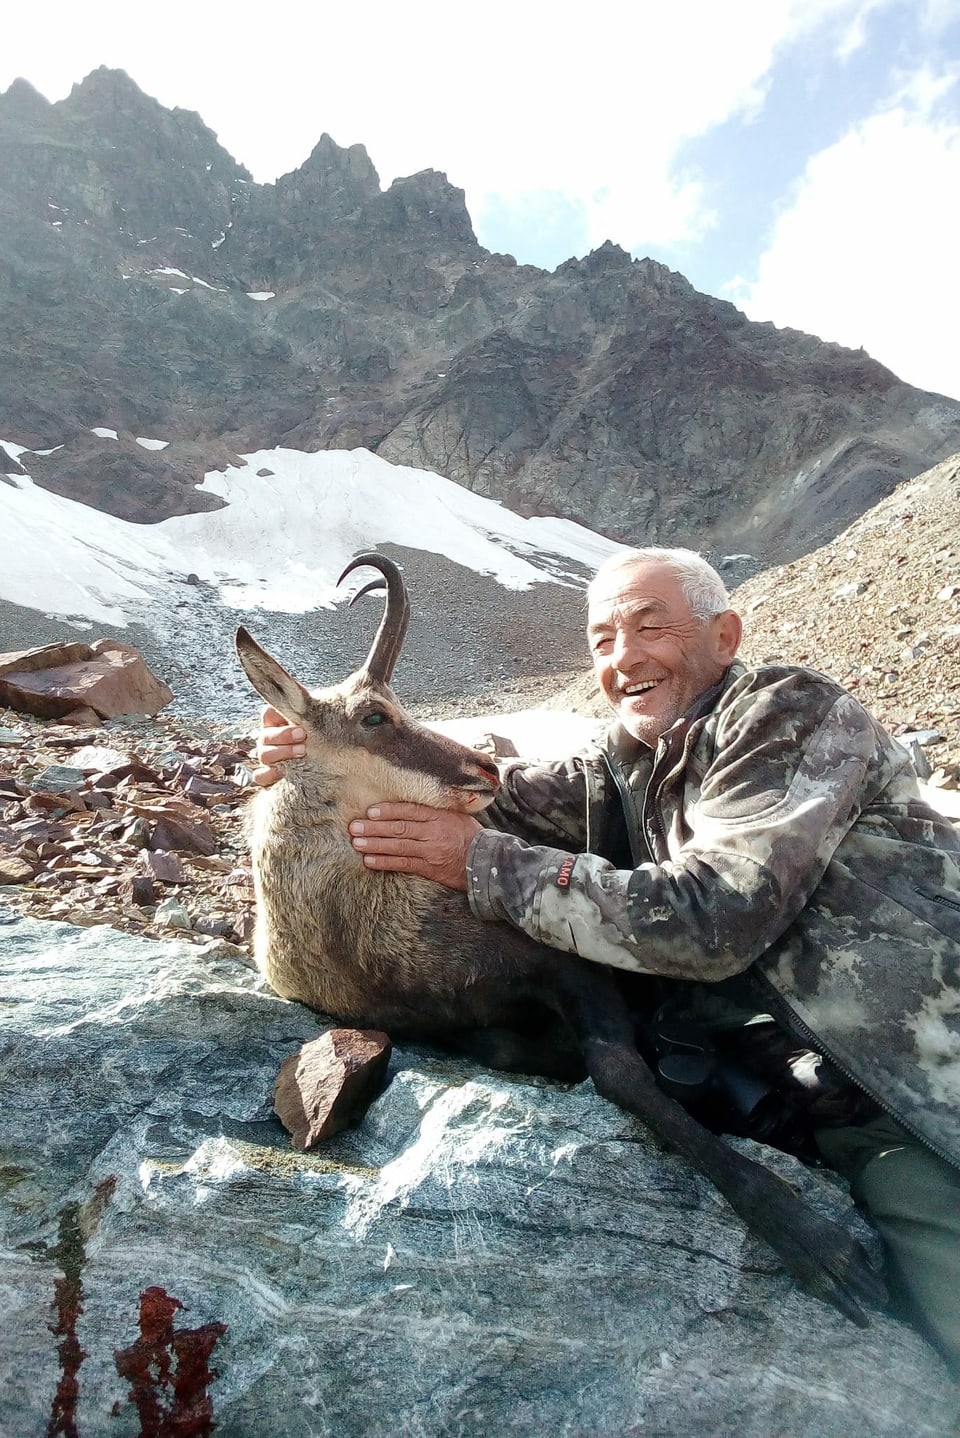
x: 270, y: 679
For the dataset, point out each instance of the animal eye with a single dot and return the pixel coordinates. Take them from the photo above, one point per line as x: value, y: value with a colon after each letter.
x: 375, y: 717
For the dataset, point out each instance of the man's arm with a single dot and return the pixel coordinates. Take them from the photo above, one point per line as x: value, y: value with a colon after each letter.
x: 544, y: 803
x: 786, y: 776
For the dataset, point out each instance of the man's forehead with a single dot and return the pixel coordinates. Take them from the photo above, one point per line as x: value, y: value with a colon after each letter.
x: 634, y: 589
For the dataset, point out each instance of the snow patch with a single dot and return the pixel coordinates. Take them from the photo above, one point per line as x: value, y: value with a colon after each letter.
x: 63, y: 558
x: 152, y: 443
x: 102, y: 433
x: 279, y: 543
x: 261, y: 294
x: 534, y: 733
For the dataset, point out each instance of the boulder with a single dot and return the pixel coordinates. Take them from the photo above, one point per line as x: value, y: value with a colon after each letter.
x: 107, y: 677
x: 47, y: 656
x: 483, y: 1254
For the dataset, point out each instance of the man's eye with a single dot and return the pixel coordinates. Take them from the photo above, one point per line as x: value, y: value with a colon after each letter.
x: 375, y: 717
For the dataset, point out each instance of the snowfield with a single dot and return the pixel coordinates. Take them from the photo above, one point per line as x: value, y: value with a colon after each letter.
x: 280, y: 542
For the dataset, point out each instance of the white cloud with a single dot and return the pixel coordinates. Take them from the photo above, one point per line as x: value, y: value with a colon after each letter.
x: 866, y: 253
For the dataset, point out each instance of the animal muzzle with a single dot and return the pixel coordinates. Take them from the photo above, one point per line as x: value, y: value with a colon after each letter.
x: 488, y: 773
x: 477, y: 784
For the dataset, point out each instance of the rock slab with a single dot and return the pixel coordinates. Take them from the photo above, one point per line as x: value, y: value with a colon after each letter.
x: 482, y: 1255
x: 106, y: 677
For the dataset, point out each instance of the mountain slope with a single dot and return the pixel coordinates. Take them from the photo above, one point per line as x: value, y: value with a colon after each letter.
x: 147, y: 285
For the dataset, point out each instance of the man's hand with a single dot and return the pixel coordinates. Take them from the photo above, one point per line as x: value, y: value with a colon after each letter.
x: 278, y: 742
x: 413, y: 839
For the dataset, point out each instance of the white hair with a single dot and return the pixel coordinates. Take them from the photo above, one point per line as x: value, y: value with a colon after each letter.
x: 702, y: 587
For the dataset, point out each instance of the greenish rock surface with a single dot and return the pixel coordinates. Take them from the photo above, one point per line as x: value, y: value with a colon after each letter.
x: 483, y: 1255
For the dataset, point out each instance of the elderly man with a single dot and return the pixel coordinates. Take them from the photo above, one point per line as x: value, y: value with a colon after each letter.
x: 758, y: 836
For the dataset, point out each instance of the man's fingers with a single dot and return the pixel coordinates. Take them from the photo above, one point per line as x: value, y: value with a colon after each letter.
x: 394, y: 829
x: 397, y: 863
x: 397, y: 829
x: 384, y: 845
x: 420, y: 812
x: 265, y: 775
x: 270, y: 754
x: 381, y: 844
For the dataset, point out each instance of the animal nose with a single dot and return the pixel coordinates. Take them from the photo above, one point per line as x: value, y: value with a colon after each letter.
x: 489, y: 770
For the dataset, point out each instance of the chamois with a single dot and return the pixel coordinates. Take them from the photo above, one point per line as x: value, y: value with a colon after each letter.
x: 405, y: 954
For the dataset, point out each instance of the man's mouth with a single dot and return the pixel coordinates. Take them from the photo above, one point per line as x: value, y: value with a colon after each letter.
x: 629, y: 690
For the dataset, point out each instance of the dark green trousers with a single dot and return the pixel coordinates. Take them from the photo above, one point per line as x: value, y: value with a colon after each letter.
x: 913, y: 1200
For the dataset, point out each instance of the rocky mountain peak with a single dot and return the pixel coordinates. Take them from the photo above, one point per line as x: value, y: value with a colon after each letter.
x: 22, y: 104
x: 331, y: 183
x: 109, y: 93
x: 608, y: 256
x: 427, y: 201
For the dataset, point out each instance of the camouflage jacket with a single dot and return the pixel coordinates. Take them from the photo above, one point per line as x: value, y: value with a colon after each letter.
x: 777, y: 828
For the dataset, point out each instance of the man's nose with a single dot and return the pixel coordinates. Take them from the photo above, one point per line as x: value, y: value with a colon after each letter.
x: 627, y: 649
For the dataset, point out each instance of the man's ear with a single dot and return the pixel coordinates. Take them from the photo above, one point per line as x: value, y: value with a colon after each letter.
x: 727, y: 634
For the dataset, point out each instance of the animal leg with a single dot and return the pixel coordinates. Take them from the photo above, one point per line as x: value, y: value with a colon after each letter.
x: 512, y: 1051
x: 819, y: 1253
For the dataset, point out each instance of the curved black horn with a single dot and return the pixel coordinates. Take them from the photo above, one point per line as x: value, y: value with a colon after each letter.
x: 388, y: 640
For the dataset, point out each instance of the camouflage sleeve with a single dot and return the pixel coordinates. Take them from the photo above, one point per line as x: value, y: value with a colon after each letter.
x: 540, y: 802
x: 784, y: 778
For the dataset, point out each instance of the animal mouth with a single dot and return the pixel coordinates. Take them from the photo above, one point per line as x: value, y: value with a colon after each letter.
x: 489, y: 784
x: 474, y: 798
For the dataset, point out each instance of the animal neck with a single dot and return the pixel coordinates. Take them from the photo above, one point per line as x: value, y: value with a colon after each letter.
x: 321, y: 800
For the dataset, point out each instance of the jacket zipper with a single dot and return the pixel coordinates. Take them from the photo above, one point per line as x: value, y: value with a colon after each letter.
x: 651, y: 801
x: 641, y: 849
x: 634, y: 835
x: 937, y: 898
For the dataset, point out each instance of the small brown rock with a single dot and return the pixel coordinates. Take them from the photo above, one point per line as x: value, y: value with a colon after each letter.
x: 244, y: 925
x: 320, y: 1090
x: 137, y: 889
x: 216, y: 928
x: 171, y: 833
x: 160, y: 864
x: 137, y: 834
x: 14, y: 869
x: 83, y: 717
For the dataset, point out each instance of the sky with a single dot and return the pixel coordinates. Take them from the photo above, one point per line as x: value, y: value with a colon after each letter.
x: 800, y: 158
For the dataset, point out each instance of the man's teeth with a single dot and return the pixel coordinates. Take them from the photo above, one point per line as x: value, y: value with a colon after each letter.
x: 640, y: 688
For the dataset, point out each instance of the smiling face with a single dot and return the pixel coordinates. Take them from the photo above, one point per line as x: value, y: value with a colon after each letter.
x: 651, y: 654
